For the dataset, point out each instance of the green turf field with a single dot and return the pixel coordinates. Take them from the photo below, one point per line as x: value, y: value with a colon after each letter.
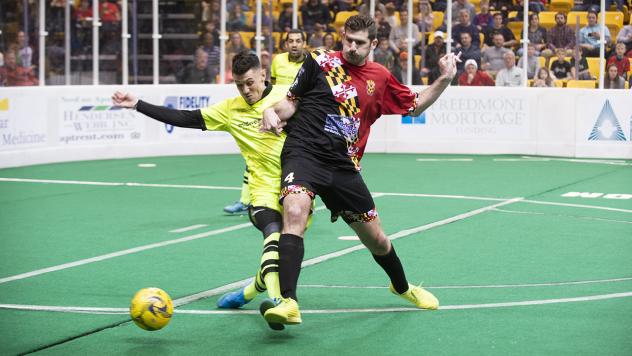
x: 522, y: 263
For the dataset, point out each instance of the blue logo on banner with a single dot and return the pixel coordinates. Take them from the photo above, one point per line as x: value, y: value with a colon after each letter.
x: 607, y: 126
x: 412, y: 120
x: 185, y: 103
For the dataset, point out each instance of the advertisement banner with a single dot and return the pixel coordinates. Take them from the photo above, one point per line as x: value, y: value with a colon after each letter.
x: 472, y: 115
x: 22, y: 124
x: 93, y: 120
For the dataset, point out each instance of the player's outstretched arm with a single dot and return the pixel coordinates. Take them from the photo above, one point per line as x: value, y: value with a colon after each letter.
x: 275, y: 117
x: 447, y: 68
x: 180, y: 118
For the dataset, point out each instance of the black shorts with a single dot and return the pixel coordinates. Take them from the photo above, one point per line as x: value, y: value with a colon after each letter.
x: 343, y: 191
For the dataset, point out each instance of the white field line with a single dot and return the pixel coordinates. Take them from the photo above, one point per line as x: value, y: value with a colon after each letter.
x: 571, y: 216
x: 530, y: 285
x: 572, y: 160
x: 576, y: 205
x: 189, y: 228
x: 118, y: 184
x: 90, y: 310
x: 444, y: 159
x: 323, y: 258
x: 129, y: 251
x: 375, y: 195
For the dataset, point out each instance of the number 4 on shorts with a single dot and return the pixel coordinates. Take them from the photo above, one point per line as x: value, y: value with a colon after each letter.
x: 289, y: 178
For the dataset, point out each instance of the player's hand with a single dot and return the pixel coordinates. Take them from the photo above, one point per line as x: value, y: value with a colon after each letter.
x: 271, y: 122
x: 126, y: 100
x: 447, y: 65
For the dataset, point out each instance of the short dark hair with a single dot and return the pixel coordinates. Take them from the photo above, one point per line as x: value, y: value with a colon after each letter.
x: 360, y: 23
x: 295, y: 30
x: 592, y: 11
x: 245, y: 61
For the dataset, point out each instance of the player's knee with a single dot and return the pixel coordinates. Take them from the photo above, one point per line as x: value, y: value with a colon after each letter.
x: 295, y: 217
x: 265, y: 219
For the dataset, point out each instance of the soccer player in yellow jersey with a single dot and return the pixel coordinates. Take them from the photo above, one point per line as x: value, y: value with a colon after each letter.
x: 286, y: 65
x: 240, y: 116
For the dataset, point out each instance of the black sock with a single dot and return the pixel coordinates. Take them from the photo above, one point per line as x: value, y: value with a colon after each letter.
x: 290, y: 258
x: 391, y: 264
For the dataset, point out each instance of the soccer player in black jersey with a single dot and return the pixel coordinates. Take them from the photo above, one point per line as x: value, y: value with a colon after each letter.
x: 327, y: 116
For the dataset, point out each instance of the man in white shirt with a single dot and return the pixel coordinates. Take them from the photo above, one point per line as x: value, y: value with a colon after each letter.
x: 510, y: 76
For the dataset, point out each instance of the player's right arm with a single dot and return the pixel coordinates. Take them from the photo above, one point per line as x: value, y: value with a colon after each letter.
x: 181, y: 118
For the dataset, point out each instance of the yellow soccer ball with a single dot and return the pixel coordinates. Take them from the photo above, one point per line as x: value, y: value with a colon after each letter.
x: 151, y: 309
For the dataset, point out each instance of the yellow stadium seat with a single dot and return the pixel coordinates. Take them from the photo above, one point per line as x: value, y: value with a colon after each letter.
x: 542, y: 61
x: 417, y: 60
x: 561, y: 5
x: 572, y: 18
x: 247, y: 37
x: 516, y: 28
x: 342, y: 16
x: 250, y: 17
x: 584, y: 84
x: 593, y: 66
x: 614, y: 21
x: 547, y: 19
x: 558, y: 83
x: 437, y: 19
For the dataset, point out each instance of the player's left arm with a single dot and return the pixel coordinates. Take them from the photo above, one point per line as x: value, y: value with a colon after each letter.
x: 447, y: 68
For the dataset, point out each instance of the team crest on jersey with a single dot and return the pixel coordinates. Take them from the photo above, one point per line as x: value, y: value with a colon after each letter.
x: 344, y: 91
x: 370, y: 87
x: 327, y: 61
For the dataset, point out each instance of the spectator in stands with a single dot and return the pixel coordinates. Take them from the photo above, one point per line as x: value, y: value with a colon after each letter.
x: 425, y: 19
x: 509, y: 40
x: 459, y: 5
x: 364, y: 9
x: 537, y: 37
x: 212, y: 50
x: 15, y: 75
x: 484, y: 18
x: 198, y: 72
x: 243, y: 4
x: 389, y: 14
x: 268, y: 42
x: 329, y: 42
x: 501, y: 5
x: 465, y: 25
x: 510, y: 76
x: 493, y: 58
x: 317, y: 38
x: 561, y: 69
x: 440, y: 5
x: 620, y: 60
x: 266, y: 64
x: 401, y: 71
x: 582, y: 66
x: 228, y: 70
x: 618, y: 2
x: 590, y: 35
x: 543, y: 79
x: 314, y: 12
x: 625, y: 36
x: 236, y: 20
x: 284, y: 23
x: 235, y: 43
x: 25, y: 52
x: 110, y: 16
x: 586, y: 5
x: 266, y: 19
x: 533, y: 63
x: 473, y: 77
x: 560, y: 36
x: 397, y: 38
x: 342, y: 5
x: 613, y: 80
x: 383, y: 54
x: 383, y: 27
x: 431, y: 59
x: 468, y: 51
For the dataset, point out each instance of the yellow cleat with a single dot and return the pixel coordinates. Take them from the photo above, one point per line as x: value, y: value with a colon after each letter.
x: 418, y: 296
x: 286, y: 312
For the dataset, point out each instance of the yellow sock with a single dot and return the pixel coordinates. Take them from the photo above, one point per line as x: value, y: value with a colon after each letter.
x: 255, y: 287
x: 270, y: 264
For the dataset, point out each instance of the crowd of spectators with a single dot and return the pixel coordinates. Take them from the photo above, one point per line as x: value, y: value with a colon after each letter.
x: 491, y: 52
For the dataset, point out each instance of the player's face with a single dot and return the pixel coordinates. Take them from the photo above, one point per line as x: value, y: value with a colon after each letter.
x: 356, y: 46
x: 251, y: 85
x: 295, y: 44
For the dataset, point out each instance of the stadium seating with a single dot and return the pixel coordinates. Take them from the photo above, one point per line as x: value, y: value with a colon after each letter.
x: 342, y: 16
x: 593, y: 66
x: 438, y: 19
x: 561, y: 5
x: 584, y: 84
x: 547, y: 19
